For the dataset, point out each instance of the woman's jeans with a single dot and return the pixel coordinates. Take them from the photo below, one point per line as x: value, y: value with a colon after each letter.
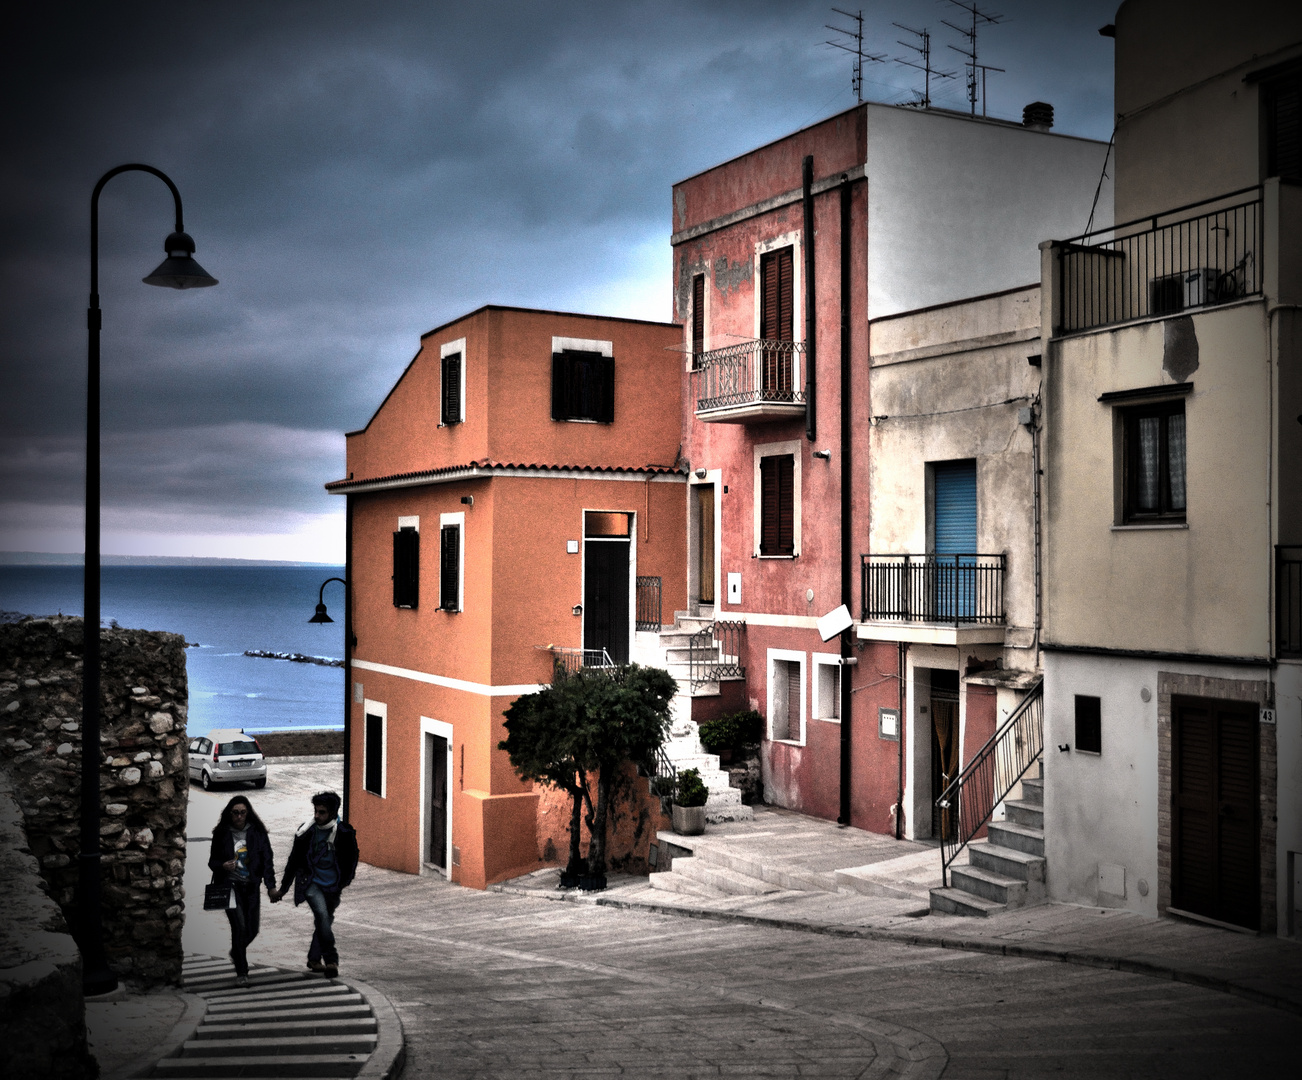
x: 323, y: 906
x: 245, y: 918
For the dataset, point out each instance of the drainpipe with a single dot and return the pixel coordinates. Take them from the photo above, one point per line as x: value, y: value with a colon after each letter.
x: 899, y: 790
x: 807, y: 185
x: 847, y: 567
x: 348, y: 648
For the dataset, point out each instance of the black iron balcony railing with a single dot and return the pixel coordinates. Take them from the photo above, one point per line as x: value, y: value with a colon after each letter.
x: 648, y: 604
x: 1204, y: 253
x: 933, y: 588
x: 1288, y: 600
x: 758, y: 372
x: 714, y: 652
x: 567, y: 660
x: 985, y: 781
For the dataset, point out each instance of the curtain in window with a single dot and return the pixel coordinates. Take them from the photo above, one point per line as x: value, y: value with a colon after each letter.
x: 1175, y: 458
x: 1147, y: 493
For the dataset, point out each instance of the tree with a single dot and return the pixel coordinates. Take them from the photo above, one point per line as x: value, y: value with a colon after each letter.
x: 587, y: 724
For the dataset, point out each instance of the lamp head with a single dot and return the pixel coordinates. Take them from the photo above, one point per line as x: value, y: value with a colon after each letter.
x: 179, y: 270
x: 320, y: 616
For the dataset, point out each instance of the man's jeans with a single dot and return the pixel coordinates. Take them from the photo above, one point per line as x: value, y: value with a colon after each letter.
x: 323, y: 906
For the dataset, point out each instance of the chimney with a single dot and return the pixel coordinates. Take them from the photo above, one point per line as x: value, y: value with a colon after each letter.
x: 1038, y: 116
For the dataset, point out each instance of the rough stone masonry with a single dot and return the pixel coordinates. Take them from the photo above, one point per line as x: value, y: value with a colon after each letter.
x: 144, y: 779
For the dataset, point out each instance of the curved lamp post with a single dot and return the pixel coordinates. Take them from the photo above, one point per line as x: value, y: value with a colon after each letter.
x: 177, y: 271
x: 322, y: 616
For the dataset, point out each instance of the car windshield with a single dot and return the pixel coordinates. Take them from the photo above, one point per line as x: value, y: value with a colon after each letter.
x: 236, y: 748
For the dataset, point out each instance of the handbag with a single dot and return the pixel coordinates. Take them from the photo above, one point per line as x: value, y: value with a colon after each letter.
x: 217, y: 896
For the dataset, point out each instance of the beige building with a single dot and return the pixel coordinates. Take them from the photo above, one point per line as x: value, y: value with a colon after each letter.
x: 1172, y: 348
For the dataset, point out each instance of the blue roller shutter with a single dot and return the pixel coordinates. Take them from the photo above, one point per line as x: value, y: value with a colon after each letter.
x: 956, y: 535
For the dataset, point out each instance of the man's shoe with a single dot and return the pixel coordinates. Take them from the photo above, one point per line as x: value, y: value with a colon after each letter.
x: 241, y: 980
x: 315, y: 965
x: 331, y: 971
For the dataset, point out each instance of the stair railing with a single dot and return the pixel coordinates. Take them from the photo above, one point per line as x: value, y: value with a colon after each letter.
x: 714, y: 652
x: 985, y: 781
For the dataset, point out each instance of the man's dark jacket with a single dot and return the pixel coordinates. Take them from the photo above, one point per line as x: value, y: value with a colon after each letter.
x: 299, y: 871
x: 259, y: 856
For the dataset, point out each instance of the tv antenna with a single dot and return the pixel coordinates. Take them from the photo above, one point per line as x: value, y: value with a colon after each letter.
x: 856, y: 35
x: 979, y: 18
x: 923, y: 50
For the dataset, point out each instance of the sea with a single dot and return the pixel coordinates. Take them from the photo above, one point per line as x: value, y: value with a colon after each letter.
x: 221, y: 611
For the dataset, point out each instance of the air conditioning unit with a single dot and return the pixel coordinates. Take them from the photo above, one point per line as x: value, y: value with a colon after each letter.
x: 1200, y: 287
x: 1172, y: 293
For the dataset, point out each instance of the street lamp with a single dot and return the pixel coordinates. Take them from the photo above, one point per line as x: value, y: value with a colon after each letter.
x: 349, y: 641
x: 321, y: 616
x: 177, y: 271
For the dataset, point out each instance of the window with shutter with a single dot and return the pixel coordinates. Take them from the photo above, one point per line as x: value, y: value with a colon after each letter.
x: 583, y: 386
x: 785, y: 693
x: 698, y: 318
x: 406, y: 568
x: 373, y: 754
x: 776, y: 321
x: 451, y: 398
x: 1282, y: 100
x: 777, y: 505
x: 450, y: 568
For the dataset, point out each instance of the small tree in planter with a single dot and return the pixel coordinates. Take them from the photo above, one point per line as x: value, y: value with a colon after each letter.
x: 689, y: 803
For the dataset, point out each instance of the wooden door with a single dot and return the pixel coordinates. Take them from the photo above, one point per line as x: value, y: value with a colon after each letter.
x: 705, y: 543
x: 605, y: 597
x: 437, y: 787
x: 944, y: 762
x: 1215, y: 812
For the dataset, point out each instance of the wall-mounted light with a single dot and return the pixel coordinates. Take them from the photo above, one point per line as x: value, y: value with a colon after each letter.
x: 577, y: 609
x: 467, y: 500
x: 1064, y: 748
x: 700, y: 474
x: 826, y: 455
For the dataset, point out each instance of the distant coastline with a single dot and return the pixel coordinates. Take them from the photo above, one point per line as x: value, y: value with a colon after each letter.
x: 56, y: 558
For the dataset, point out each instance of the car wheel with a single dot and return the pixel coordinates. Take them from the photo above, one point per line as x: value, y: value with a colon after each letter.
x: 260, y: 783
x: 205, y: 780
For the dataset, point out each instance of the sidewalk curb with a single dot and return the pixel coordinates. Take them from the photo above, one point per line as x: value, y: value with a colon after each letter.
x: 143, y: 1065
x: 390, y: 1054
x: 1081, y: 957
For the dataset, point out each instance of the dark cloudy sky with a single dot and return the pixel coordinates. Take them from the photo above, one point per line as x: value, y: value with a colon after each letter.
x: 357, y: 173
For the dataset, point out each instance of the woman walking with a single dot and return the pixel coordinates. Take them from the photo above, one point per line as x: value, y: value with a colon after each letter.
x: 241, y: 852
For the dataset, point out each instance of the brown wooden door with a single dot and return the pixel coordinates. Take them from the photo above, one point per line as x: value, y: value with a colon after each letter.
x: 705, y: 543
x: 944, y: 763
x: 1214, y: 843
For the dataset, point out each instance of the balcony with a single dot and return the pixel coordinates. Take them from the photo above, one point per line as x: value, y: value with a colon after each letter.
x: 757, y: 381
x: 935, y: 599
x: 1191, y: 257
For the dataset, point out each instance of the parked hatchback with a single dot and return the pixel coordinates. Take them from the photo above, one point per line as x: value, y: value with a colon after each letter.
x: 227, y: 756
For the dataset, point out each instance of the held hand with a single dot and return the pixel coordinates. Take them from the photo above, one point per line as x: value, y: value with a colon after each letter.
x: 275, y: 895
x: 229, y: 864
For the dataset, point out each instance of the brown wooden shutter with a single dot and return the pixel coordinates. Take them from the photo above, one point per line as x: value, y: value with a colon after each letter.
x: 450, y: 567
x: 605, y: 365
x: 406, y: 568
x: 786, y: 505
x: 793, y: 699
x: 768, y: 506
x: 452, y: 389
x: 698, y: 317
x: 777, y: 505
x: 560, y: 399
x: 1284, y: 128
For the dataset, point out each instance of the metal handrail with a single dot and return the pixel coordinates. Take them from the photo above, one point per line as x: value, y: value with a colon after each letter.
x: 985, y: 781
x: 662, y: 773
x: 760, y: 370
x: 714, y: 652
x: 648, y: 604
x: 952, y: 589
x: 570, y: 660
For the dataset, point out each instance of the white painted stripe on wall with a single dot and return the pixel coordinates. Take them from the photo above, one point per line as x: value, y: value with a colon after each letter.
x: 450, y: 684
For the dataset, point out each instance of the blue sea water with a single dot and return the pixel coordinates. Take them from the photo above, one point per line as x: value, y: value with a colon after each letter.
x: 225, y: 610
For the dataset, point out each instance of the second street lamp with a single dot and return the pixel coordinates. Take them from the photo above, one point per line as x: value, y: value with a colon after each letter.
x: 177, y: 271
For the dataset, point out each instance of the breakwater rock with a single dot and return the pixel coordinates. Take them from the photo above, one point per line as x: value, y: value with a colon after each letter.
x: 295, y: 657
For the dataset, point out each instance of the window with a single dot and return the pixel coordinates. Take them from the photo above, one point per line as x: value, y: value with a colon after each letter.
x: 1089, y: 725
x: 451, y: 396
x: 374, y: 747
x: 777, y: 505
x: 698, y: 318
x: 777, y: 323
x: 827, y: 687
x: 406, y: 566
x: 583, y: 386
x: 451, y: 565
x: 1154, y: 462
x: 786, y: 696
x: 1282, y: 105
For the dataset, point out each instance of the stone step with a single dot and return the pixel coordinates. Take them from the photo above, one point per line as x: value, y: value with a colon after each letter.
x: 1010, y: 862
x: 861, y: 880
x: 360, y: 1043
x: 260, y: 1028
x: 295, y: 1013
x: 669, y: 881
x: 783, y: 877
x: 958, y: 902
x: 988, y: 885
x: 1025, y: 813
x: 730, y: 811
x: 1033, y: 790
x: 269, y: 1065
x: 316, y: 990
x: 728, y: 796
x: 722, y: 878
x: 1011, y: 834
x: 286, y: 1004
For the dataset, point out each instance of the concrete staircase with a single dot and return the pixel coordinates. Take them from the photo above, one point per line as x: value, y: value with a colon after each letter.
x: 283, y: 1024
x: 1007, y: 869
x: 670, y: 650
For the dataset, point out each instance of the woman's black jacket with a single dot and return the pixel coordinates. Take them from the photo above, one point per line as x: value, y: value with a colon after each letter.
x: 261, y: 868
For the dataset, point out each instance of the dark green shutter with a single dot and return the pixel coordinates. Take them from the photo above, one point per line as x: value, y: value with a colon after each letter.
x: 450, y: 567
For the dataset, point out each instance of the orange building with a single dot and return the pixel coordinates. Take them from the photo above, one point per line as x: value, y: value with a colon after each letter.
x: 517, y: 495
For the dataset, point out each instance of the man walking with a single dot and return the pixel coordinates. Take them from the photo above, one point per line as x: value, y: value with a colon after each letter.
x: 321, y: 866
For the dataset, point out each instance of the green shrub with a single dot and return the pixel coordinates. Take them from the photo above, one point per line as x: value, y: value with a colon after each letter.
x: 691, y: 789
x: 732, y: 732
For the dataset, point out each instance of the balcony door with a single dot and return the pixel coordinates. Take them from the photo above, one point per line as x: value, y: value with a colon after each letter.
x: 777, y: 307
x: 704, y: 541
x: 954, y: 528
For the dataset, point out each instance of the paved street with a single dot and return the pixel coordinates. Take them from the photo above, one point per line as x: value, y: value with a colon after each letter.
x: 498, y: 984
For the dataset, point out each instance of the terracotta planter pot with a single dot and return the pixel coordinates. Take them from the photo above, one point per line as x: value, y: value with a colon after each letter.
x: 725, y: 756
x: 689, y: 820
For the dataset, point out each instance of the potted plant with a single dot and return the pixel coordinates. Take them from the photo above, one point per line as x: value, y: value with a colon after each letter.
x: 689, y: 803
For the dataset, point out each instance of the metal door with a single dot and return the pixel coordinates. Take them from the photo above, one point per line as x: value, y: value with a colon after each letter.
x: 605, y: 597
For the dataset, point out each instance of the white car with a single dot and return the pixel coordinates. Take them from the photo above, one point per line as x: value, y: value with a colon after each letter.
x: 227, y: 756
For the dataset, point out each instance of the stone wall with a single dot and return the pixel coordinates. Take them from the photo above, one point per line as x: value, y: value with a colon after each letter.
x: 144, y: 784
x: 314, y: 742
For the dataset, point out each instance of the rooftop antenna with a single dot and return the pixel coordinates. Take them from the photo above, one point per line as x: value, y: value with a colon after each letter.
x: 978, y: 17
x: 856, y: 80
x: 924, y: 50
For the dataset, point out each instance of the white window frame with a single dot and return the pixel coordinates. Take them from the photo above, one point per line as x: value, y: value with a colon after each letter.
x: 444, y: 730
x: 822, y: 662
x: 380, y: 709
x: 447, y: 349
x: 459, y: 520
x: 776, y: 449
x: 763, y: 247
x: 801, y: 659
x: 410, y: 522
